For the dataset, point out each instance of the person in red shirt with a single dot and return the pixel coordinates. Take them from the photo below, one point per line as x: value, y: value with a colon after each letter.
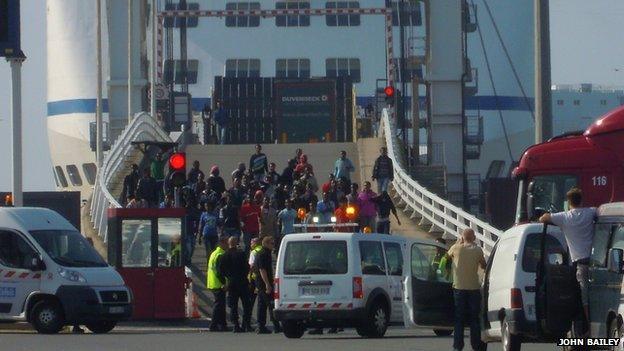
x: 329, y: 184
x: 302, y: 166
x: 250, y: 218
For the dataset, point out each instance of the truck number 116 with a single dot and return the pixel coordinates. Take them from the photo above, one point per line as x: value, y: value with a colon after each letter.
x: 599, y: 180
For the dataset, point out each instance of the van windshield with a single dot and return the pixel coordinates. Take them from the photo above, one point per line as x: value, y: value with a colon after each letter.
x: 68, y: 248
x: 316, y: 257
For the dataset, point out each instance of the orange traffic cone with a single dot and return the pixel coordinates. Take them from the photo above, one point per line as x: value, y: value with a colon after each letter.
x: 195, y: 313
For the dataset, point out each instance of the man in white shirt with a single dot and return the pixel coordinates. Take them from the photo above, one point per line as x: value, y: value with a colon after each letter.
x: 577, y: 225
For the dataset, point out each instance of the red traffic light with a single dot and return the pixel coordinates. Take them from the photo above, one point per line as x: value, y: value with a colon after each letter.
x: 389, y: 91
x: 177, y: 161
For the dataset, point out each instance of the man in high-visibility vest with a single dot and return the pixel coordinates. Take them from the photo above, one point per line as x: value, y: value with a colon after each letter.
x: 440, y: 266
x: 217, y: 284
x: 256, y: 247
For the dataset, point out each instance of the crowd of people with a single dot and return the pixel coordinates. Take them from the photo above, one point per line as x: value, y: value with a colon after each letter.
x: 262, y: 201
x: 241, y: 226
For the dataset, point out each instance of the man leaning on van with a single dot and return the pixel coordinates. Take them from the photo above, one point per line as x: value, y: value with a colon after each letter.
x: 467, y: 257
x: 577, y: 225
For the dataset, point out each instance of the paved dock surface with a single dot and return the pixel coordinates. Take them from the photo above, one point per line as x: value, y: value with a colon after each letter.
x: 196, y: 337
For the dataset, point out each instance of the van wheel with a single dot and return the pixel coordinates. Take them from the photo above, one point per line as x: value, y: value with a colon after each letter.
x: 375, y: 323
x: 47, y: 317
x: 293, y: 329
x: 510, y: 341
x: 101, y: 327
x: 615, y: 331
x: 442, y: 332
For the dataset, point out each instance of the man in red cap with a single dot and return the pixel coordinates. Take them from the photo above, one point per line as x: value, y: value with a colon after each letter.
x: 250, y: 218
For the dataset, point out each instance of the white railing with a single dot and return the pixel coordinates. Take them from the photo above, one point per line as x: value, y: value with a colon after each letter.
x: 142, y: 128
x: 429, y: 207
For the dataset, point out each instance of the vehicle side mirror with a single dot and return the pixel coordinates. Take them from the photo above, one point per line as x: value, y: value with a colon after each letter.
x: 529, y: 205
x: 615, y: 262
x: 36, y: 264
x: 537, y: 213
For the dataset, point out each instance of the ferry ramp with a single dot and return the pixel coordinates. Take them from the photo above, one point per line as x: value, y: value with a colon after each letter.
x: 422, y: 212
x: 322, y: 157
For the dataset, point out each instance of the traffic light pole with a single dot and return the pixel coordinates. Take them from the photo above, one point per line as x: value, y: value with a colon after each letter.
x: 16, y: 121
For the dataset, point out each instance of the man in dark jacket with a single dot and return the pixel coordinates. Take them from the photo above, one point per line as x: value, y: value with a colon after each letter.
x: 215, y: 182
x: 235, y: 270
x: 383, y: 171
x: 288, y: 173
x: 385, y: 206
x: 130, y: 183
x: 264, y: 284
x: 229, y: 218
x: 258, y: 164
x: 193, y: 174
x: 147, y: 189
x: 220, y: 117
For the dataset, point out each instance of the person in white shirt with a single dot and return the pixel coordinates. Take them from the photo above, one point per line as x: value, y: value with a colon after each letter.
x: 577, y: 225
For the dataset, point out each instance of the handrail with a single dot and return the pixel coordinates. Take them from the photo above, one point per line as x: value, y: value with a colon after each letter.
x: 142, y: 128
x: 432, y: 209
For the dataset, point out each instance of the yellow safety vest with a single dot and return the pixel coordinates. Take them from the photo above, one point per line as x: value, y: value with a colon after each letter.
x: 252, y: 272
x: 213, y: 280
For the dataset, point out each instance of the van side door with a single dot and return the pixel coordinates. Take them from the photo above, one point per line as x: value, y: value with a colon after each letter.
x: 604, y: 287
x: 17, y: 280
x: 374, y: 271
x: 394, y: 262
x: 430, y: 287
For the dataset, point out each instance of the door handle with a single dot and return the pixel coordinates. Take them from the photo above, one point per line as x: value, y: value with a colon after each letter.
x: 150, y: 274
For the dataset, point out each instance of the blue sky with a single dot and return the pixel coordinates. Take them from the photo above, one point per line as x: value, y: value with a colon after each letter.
x: 586, y: 46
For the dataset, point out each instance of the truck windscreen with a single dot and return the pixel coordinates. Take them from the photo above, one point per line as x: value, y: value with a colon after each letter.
x: 549, y: 191
x: 68, y: 248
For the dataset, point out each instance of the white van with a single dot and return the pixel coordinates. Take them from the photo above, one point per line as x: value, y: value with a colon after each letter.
x: 51, y: 276
x: 513, y: 301
x: 357, y: 280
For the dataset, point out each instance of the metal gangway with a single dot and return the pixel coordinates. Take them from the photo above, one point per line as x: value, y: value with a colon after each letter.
x: 432, y: 210
x: 116, y: 166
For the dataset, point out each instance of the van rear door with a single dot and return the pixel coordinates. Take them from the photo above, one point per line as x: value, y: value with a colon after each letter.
x: 557, y: 300
x: 428, y: 292
x: 17, y: 280
x: 314, y: 274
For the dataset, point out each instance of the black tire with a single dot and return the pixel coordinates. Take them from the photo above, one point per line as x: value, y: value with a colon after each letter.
x: 376, y: 322
x: 293, y: 329
x: 443, y: 332
x: 615, y: 331
x: 510, y: 341
x: 47, y: 317
x: 101, y: 327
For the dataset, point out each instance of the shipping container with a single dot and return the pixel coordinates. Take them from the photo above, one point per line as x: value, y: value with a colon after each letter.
x: 268, y: 110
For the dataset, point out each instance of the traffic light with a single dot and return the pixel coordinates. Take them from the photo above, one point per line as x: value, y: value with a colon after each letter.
x: 10, y: 29
x: 389, y: 92
x: 177, y: 169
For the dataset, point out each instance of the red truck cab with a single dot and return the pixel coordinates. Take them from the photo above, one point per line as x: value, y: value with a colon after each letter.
x: 592, y: 160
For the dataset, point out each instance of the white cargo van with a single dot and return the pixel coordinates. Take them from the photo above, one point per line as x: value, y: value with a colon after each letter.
x: 50, y: 275
x: 514, y: 297
x: 365, y: 281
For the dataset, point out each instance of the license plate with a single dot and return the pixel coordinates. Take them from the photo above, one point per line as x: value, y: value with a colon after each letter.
x: 314, y: 290
x: 116, y: 310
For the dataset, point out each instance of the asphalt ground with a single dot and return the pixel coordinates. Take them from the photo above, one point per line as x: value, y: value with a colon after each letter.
x: 184, y: 337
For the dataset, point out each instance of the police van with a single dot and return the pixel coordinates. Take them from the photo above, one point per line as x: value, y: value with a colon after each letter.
x: 366, y: 281
x: 51, y: 276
